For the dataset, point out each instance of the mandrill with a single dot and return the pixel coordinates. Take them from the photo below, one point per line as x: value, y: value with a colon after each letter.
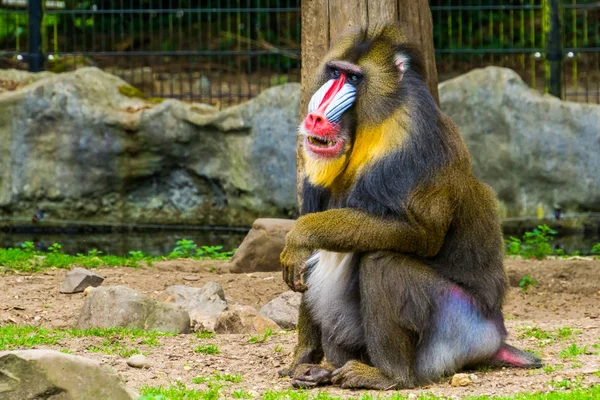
x: 399, y: 248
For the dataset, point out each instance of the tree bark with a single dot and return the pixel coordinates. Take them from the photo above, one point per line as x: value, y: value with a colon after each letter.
x: 324, y: 20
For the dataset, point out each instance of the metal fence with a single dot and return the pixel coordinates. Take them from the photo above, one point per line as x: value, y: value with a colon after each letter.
x: 226, y: 51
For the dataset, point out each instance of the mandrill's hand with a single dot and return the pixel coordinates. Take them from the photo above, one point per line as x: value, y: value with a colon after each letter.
x: 293, y: 260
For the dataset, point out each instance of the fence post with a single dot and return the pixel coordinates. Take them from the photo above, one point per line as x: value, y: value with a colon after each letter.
x: 554, y: 53
x: 36, y: 57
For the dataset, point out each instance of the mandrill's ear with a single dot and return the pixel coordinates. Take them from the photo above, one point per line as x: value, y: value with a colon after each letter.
x: 401, y: 60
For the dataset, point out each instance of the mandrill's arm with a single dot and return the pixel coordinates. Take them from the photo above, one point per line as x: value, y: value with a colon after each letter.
x: 421, y: 230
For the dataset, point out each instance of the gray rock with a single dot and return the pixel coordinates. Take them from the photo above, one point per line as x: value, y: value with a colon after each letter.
x: 230, y: 322
x: 283, y: 310
x: 204, y: 304
x: 74, y: 145
x: 120, y: 306
x: 262, y: 246
x: 138, y: 361
x: 528, y: 146
x: 79, y: 279
x: 48, y: 374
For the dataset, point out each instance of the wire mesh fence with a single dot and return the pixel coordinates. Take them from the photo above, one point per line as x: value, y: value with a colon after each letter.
x: 226, y: 51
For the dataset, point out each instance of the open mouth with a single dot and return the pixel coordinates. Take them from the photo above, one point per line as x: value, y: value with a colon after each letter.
x: 322, y: 143
x: 322, y: 147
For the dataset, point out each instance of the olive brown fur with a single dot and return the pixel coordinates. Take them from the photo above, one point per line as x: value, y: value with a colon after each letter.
x: 405, y: 282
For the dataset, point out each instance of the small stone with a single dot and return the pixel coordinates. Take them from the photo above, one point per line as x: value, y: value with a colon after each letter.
x: 283, y: 310
x: 88, y: 290
x: 230, y: 322
x: 461, y: 380
x: 187, y: 368
x: 473, y: 377
x: 191, y: 278
x: 412, y: 396
x: 78, y: 279
x: 138, y: 361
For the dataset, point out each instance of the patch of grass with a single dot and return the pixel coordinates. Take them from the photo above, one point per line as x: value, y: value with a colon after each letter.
x: 534, y: 332
x: 551, y: 368
x: 566, y: 332
x: 218, y: 377
x: 205, y: 335
x: 111, y: 346
x: 26, y: 336
x: 178, y: 391
x: 241, y: 394
x: 28, y: 259
x: 571, y: 352
x: 526, y: 282
x: 278, y: 348
x: 207, y: 349
x: 261, y: 338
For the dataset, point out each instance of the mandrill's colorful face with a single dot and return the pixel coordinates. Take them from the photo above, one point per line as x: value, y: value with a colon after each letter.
x: 358, y: 87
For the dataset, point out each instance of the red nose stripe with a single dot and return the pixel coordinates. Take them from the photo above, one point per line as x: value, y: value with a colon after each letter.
x: 333, y: 90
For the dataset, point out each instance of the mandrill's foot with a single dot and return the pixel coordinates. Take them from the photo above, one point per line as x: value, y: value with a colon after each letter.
x: 311, y: 375
x: 354, y: 375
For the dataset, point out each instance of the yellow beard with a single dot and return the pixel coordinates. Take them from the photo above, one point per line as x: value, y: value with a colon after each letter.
x: 371, y: 144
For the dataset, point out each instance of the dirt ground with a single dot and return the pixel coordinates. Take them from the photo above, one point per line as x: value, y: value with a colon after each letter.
x: 567, y: 295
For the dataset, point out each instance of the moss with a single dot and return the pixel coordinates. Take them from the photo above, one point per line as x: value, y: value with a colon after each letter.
x: 133, y: 92
x: 130, y: 91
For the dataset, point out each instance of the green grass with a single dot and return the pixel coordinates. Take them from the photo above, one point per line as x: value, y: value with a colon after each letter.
x: 571, y: 352
x: 261, y: 338
x: 116, y: 341
x: 207, y: 349
x: 205, y: 335
x: 28, y: 259
x: 218, y: 377
x: 544, y: 337
x: 179, y: 391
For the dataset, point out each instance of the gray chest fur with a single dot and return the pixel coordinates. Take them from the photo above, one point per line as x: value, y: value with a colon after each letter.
x: 333, y: 297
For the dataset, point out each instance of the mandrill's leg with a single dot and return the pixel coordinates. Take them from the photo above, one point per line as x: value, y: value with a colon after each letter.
x: 395, y: 310
x: 309, y: 349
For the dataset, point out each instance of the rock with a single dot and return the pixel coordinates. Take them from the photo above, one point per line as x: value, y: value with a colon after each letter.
x: 260, y: 323
x: 283, y: 310
x: 528, y: 146
x: 138, y: 361
x: 78, y: 279
x: 74, y: 144
x: 230, y: 322
x: 461, y: 380
x: 262, y: 246
x: 191, y: 278
x: 48, y: 374
x: 120, y: 306
x: 204, y: 305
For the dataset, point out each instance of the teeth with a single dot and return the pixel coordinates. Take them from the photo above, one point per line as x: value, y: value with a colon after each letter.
x: 320, y: 142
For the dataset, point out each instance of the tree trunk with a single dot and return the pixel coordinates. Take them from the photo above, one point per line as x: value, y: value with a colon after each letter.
x: 324, y: 20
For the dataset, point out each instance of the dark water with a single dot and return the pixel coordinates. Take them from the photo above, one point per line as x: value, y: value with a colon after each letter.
x: 154, y: 243
x: 161, y: 242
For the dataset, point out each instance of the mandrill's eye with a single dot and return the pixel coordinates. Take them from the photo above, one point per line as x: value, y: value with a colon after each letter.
x: 336, y: 73
x: 354, y: 78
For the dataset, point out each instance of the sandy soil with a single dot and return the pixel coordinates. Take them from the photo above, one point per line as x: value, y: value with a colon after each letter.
x: 567, y: 295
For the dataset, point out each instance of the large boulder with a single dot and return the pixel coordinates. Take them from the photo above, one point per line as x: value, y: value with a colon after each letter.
x: 82, y: 146
x: 204, y: 304
x: 262, y: 246
x: 528, y: 146
x: 48, y: 374
x: 120, y: 306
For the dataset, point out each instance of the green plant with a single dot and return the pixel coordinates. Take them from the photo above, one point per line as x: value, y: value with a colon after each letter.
x: 94, y: 253
x: 213, y: 253
x: 207, y: 349
x: 278, y: 348
x: 27, y: 247
x: 571, y: 352
x: 596, y: 249
x: 205, y: 335
x: 533, y: 244
x: 55, y: 248
x: 184, y: 249
x: 526, y: 282
x: 261, y: 338
x: 566, y: 332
